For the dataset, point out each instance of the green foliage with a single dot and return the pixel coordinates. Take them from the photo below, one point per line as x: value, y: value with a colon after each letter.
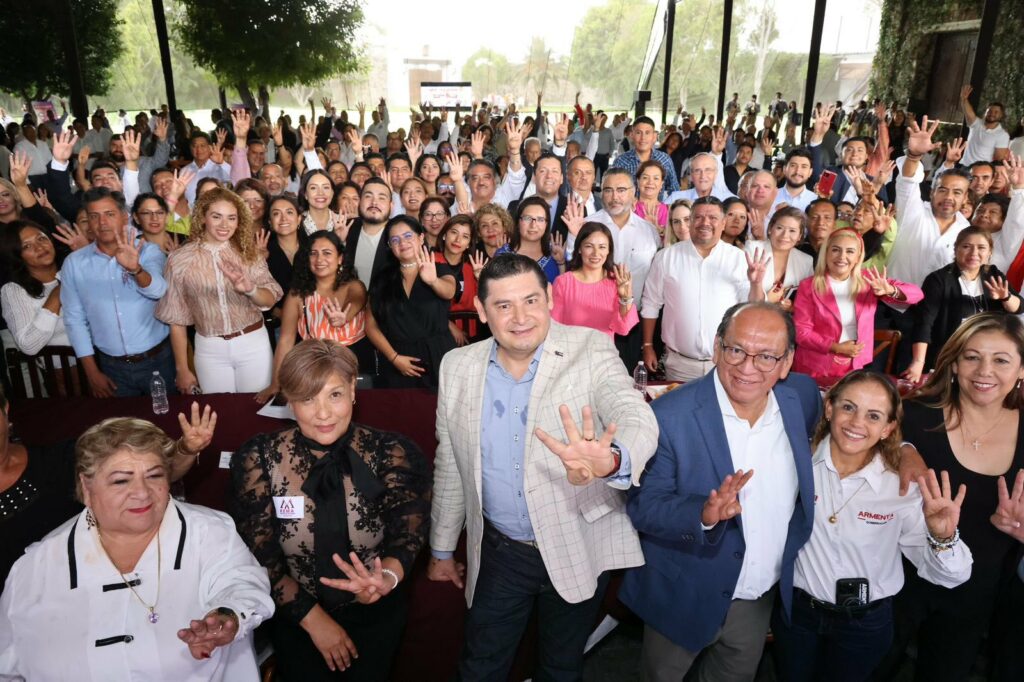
x: 271, y: 42
x: 32, y: 55
x: 609, y: 47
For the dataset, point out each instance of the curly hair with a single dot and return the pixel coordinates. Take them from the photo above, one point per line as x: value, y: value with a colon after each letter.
x: 303, y: 279
x: 244, y: 238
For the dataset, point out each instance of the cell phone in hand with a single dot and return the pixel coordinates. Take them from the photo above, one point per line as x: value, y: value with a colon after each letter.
x: 826, y: 182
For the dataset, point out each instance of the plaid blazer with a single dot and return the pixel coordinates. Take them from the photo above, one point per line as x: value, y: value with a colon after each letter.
x: 581, y: 530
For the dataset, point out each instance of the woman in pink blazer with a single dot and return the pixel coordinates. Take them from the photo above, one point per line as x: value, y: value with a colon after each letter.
x: 834, y: 310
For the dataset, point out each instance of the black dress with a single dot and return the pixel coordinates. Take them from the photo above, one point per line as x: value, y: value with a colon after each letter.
x: 950, y: 624
x: 39, y: 501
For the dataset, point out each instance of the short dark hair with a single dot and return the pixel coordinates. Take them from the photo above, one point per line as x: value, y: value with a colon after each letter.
x: 95, y: 194
x: 644, y: 119
x: 737, y: 308
x: 397, y: 156
x: 374, y: 180
x: 707, y: 201
x: 508, y: 265
x: 100, y: 165
x: 820, y: 202
x: 482, y: 162
x: 372, y: 155
x: 801, y: 152
x: 982, y: 163
x: 999, y: 200
x: 197, y: 135
x: 957, y: 173
x: 867, y: 141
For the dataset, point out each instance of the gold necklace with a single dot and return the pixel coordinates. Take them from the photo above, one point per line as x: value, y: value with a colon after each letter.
x: 976, y: 443
x: 834, y: 519
x: 153, y: 616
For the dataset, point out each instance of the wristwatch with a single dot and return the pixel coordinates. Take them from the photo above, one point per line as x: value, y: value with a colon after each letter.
x: 617, y: 460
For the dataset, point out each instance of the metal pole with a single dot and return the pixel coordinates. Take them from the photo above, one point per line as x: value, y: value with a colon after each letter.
x: 165, y: 53
x: 812, y: 60
x: 670, y: 29
x: 723, y: 68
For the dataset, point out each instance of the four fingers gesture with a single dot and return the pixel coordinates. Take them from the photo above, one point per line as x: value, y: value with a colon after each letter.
x: 1009, y: 514
x: 941, y: 509
x: 585, y: 456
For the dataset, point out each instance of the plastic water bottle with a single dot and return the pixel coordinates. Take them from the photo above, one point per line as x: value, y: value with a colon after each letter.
x: 158, y: 390
x: 640, y: 377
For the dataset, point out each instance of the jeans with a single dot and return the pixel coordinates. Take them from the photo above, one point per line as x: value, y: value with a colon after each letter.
x: 512, y: 581
x: 132, y: 378
x: 822, y: 645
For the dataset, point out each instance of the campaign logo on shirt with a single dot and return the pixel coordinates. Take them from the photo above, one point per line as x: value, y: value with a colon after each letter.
x: 874, y: 519
x: 290, y: 507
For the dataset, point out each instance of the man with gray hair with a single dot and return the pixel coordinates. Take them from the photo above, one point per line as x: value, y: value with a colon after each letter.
x: 707, y: 174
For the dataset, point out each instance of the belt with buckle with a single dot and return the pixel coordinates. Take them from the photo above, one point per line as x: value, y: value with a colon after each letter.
x: 829, y: 607
x: 251, y: 328
x: 138, y: 357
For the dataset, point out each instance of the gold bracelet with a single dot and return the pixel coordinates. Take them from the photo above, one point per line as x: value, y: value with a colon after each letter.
x: 182, y: 450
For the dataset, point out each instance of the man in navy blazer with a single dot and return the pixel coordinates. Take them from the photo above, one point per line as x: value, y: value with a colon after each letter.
x: 725, y: 504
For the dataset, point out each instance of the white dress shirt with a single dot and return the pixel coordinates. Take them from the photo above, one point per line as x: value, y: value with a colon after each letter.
x: 769, y: 497
x: 221, y: 171
x: 38, y: 154
x: 635, y: 244
x: 65, y: 614
x: 875, y: 525
x: 1007, y: 241
x: 511, y: 188
x: 719, y: 189
x: 801, y: 200
x: 920, y: 247
x: 695, y: 292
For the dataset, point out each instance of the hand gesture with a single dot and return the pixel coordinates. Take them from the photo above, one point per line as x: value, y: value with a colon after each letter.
x: 585, y: 457
x: 278, y: 135
x: 561, y: 131
x: 197, y: 431
x: 883, y: 216
x: 414, y: 149
x: 132, y: 145
x: 83, y: 157
x: 477, y: 261
x: 352, y: 138
x: 446, y: 570
x: 724, y: 503
x: 217, y: 151
x: 861, y: 184
x: 342, y: 227
x: 514, y: 133
x: 71, y: 236
x: 20, y: 164
x: 998, y: 288
x: 42, y: 199
x: 62, y: 145
x: 361, y: 108
x: 558, y: 248
x: 755, y: 218
x: 884, y: 175
x: 203, y: 636
x: 407, y: 366
x: 128, y: 253
x: 182, y: 178
x: 454, y: 166
x: 919, y: 137
x: 879, y: 283
x: 880, y: 112
x: 336, y: 315
x: 367, y: 586
x: 242, y: 122
x: 308, y: 132
x: 766, y: 144
x: 1014, y: 166
x: 477, y: 144
x: 757, y: 266
x: 1009, y: 514
x: 427, y: 265
x: 822, y: 122
x: 238, y: 277
x: 941, y: 509
x: 965, y: 92
x: 263, y: 243
x: 160, y: 128
x: 955, y: 151
x: 573, y: 216
x: 623, y: 281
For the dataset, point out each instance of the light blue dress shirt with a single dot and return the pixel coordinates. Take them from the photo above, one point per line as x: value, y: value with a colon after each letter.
x: 105, y: 308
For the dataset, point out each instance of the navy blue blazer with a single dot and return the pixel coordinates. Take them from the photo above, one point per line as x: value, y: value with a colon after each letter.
x: 685, y: 587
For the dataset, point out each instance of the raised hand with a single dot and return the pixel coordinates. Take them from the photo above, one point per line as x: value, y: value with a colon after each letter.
x: 414, y: 149
x: 998, y: 288
x: 361, y: 108
x: 477, y: 261
x: 585, y: 456
x: 766, y: 144
x: 476, y: 146
x: 197, y: 429
x: 263, y: 243
x: 83, y: 156
x: 623, y: 281
x: 454, y: 166
x: 755, y: 218
x: 561, y: 131
x: 308, y: 132
x: 757, y: 266
x: 20, y: 163
x: 160, y: 128
x: 426, y: 265
x: 966, y: 91
x: 342, y: 227
x: 718, y: 141
x: 214, y: 630
x: 919, y: 137
x: 724, y: 503
x: 238, y: 277
x: 558, y: 248
x: 1009, y: 514
x: 128, y: 253
x: 242, y: 122
x: 42, y: 199
x: 278, y: 134
x: 883, y: 216
x: 573, y: 216
x: 217, y: 151
x: 941, y: 509
x: 514, y: 132
x: 336, y: 315
x: 955, y: 151
x: 182, y: 178
x: 71, y: 236
x: 367, y: 586
x: 132, y: 145
x: 63, y: 143
x: 822, y: 122
x: 884, y: 174
x: 1014, y: 167
x: 879, y: 283
x: 326, y: 102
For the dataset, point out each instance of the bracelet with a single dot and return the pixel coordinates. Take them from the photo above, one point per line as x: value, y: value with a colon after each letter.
x: 626, y: 301
x: 181, y: 449
x: 394, y: 358
x: 645, y: 345
x: 137, y: 272
x: 388, y: 571
x: 941, y: 545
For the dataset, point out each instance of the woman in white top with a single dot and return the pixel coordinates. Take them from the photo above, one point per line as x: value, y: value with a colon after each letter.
x: 787, y: 265
x: 31, y: 300
x: 137, y: 586
x: 846, y: 575
x: 315, y: 198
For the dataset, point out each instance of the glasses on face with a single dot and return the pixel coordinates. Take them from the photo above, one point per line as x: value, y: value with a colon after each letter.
x: 434, y: 214
x: 146, y: 215
x: 844, y: 215
x: 399, y: 238
x: 532, y: 220
x: 617, y: 191
x: 763, y: 362
x: 445, y: 188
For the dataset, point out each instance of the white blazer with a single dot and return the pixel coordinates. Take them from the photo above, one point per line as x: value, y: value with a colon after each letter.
x: 799, y: 266
x: 66, y: 614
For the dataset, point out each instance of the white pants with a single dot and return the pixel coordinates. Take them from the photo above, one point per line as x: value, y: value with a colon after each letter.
x: 243, y: 364
x: 681, y: 368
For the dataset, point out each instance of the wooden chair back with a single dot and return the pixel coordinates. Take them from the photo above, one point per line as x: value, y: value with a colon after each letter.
x: 52, y: 372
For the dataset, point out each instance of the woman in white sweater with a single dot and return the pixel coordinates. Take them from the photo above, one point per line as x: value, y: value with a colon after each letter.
x: 31, y: 300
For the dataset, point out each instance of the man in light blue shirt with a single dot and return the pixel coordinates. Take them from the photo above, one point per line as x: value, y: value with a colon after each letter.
x: 109, y: 292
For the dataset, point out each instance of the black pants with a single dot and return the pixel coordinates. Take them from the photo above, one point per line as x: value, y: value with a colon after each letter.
x: 512, y: 581
x: 376, y: 630
x: 630, y: 347
x: 600, y: 165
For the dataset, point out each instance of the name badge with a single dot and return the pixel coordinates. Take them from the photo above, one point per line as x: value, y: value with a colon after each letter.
x: 290, y: 507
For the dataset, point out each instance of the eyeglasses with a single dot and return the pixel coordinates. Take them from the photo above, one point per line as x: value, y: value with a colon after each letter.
x: 763, y: 362
x: 445, y: 188
x: 533, y: 220
x: 434, y: 214
x: 618, y: 191
x: 146, y: 215
x: 399, y: 238
x: 844, y: 215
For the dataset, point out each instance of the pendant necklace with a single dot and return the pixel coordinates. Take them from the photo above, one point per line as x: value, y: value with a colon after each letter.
x: 834, y: 519
x: 976, y: 442
x: 153, y: 616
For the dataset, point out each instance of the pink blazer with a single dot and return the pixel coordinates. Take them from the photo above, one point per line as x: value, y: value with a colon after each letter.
x: 818, y: 326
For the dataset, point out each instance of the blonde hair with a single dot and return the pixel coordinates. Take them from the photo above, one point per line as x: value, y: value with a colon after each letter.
x: 14, y: 193
x: 670, y: 233
x: 498, y: 212
x: 244, y: 238
x: 308, y: 366
x: 102, y: 440
x: 821, y: 269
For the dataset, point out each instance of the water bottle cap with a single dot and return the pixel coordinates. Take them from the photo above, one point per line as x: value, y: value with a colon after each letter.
x: 156, y: 373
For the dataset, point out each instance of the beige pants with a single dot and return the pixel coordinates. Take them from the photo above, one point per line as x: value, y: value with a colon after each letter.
x: 681, y: 368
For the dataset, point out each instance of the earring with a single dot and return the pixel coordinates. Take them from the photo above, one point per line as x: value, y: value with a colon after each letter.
x: 353, y: 402
x: 90, y: 520
x: 1017, y: 387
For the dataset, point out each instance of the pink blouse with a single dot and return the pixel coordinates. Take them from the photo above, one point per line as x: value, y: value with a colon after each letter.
x: 594, y: 305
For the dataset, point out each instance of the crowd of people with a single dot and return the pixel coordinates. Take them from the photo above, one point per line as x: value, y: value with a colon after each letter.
x: 523, y: 266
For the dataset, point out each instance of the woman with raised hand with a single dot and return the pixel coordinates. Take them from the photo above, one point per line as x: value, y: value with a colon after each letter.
x: 787, y: 265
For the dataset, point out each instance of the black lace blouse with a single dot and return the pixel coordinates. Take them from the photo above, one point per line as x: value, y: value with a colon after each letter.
x: 296, y: 503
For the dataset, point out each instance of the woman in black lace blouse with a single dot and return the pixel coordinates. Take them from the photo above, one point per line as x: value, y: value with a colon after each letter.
x: 337, y: 512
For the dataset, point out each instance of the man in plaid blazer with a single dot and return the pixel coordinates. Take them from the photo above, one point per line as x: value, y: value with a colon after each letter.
x: 516, y: 472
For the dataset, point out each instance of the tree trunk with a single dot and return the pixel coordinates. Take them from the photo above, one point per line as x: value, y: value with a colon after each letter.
x: 264, y: 94
x: 246, y: 95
